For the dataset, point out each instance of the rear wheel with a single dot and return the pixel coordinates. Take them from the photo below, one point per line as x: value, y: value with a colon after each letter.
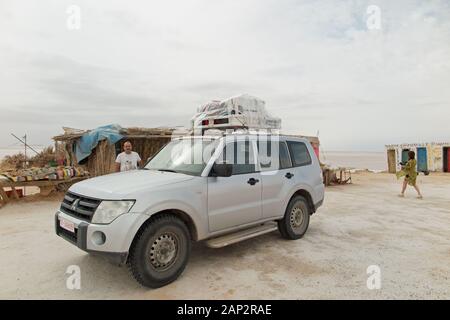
x: 296, y: 219
x: 160, y: 252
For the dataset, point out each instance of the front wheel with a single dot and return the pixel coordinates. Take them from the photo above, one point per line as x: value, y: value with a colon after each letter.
x: 296, y: 219
x: 160, y: 252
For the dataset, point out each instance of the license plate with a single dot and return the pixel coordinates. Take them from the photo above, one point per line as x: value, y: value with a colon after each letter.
x: 69, y: 226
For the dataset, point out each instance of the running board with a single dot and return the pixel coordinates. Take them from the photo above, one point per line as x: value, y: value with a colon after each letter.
x: 241, y: 235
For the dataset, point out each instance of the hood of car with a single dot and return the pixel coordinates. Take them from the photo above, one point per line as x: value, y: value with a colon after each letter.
x: 123, y: 185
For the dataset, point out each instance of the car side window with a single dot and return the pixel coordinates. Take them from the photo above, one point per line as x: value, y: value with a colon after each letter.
x: 240, y: 155
x: 299, y: 153
x: 285, y: 159
x: 270, y: 160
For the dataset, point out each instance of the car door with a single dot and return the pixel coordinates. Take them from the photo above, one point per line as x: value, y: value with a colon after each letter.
x: 235, y: 200
x: 277, y: 177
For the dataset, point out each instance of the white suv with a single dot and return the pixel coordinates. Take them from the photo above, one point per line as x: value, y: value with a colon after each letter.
x: 219, y: 189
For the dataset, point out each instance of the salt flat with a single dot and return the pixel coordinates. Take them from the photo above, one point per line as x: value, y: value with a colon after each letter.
x: 359, y: 225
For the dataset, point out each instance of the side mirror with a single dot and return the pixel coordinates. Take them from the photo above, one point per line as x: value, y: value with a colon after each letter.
x: 221, y: 170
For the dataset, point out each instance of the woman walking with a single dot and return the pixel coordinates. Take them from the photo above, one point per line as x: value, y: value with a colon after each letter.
x: 409, y: 172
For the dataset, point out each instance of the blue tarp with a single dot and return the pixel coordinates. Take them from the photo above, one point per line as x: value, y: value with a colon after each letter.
x: 89, y: 140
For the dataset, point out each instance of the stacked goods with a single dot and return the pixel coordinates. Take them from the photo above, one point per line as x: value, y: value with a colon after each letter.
x: 46, y: 173
x: 240, y: 112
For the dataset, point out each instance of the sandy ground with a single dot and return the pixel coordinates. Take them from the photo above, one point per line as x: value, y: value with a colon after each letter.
x: 360, y: 225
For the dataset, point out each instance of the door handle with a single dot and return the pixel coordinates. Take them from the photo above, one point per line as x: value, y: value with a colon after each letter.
x: 289, y: 175
x: 252, y: 181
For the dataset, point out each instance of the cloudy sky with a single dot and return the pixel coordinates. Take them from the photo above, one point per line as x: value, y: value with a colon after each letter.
x: 152, y: 63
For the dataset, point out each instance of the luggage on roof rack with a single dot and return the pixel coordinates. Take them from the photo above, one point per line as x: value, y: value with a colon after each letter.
x: 240, y: 112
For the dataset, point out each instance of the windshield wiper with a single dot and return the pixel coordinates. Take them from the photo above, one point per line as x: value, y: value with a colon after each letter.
x: 167, y: 170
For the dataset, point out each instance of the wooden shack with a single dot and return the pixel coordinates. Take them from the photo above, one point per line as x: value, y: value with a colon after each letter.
x: 146, y: 142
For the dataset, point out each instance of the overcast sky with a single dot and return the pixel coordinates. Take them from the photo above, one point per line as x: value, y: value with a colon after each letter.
x: 152, y: 63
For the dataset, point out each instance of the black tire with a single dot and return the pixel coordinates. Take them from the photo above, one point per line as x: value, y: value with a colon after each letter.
x: 160, y: 252
x: 296, y: 219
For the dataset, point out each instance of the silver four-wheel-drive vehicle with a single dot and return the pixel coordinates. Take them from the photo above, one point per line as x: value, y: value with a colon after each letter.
x: 220, y: 190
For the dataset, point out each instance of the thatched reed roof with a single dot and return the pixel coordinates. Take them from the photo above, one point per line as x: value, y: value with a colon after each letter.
x: 134, y: 132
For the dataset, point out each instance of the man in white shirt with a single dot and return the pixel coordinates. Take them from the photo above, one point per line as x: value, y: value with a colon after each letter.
x: 128, y: 159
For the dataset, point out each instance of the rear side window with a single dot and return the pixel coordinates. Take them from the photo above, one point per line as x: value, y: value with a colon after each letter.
x: 299, y: 154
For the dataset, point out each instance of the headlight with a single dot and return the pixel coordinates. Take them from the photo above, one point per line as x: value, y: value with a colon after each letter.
x: 107, y: 211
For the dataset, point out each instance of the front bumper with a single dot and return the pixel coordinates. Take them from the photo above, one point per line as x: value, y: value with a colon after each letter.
x: 119, y: 235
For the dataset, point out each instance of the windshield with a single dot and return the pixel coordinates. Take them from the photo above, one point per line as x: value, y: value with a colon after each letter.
x: 187, y: 156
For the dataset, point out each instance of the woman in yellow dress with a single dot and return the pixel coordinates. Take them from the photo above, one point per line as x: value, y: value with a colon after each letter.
x: 409, y: 172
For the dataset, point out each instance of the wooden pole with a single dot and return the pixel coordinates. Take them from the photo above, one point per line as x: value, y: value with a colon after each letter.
x: 25, y: 165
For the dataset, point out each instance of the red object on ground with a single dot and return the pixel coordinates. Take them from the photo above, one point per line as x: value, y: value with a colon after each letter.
x: 448, y: 159
x: 9, y: 193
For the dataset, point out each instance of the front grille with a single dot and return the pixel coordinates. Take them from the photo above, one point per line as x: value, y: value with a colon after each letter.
x: 79, y: 206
